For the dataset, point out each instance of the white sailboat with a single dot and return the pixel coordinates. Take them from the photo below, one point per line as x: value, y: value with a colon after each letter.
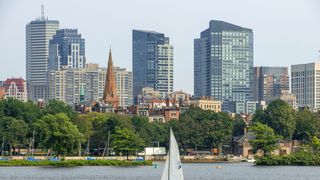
x: 173, y: 167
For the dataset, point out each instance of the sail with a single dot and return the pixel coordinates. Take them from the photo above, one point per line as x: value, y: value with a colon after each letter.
x: 173, y: 167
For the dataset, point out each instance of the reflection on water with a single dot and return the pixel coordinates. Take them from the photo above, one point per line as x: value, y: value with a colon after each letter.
x: 192, y: 171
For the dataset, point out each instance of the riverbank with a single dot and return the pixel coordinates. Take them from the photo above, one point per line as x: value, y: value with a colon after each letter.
x: 295, y: 159
x: 70, y: 163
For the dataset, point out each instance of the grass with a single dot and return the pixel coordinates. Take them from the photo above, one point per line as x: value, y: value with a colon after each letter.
x: 70, y: 163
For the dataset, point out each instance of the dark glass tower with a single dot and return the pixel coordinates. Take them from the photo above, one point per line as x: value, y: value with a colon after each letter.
x: 66, y: 48
x: 152, y: 59
x: 223, y: 64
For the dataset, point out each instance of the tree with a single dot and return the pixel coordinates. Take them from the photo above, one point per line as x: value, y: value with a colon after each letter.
x: 265, y: 140
x: 56, y: 133
x: 14, y: 132
x: 143, y: 127
x: 56, y: 106
x: 126, y: 141
x: 307, y: 125
x: 315, y: 144
x: 217, y: 129
x: 238, y: 126
x: 279, y: 116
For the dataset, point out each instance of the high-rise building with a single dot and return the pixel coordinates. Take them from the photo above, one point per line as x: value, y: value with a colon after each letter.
x: 152, y: 59
x: 269, y: 82
x: 38, y: 34
x: 65, y: 84
x: 124, y: 86
x: 15, y: 88
x: 223, y: 64
x: 66, y: 48
x: 305, y: 84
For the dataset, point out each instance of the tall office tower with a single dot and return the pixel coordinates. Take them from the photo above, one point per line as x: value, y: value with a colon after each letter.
x: 223, y: 64
x: 152, y: 59
x: 124, y: 86
x: 38, y: 34
x: 305, y: 84
x: 15, y: 88
x: 66, y: 84
x: 269, y: 82
x: 110, y: 94
x: 66, y: 48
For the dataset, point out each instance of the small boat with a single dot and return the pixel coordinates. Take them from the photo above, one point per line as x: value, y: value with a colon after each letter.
x: 251, y: 160
x: 173, y: 167
x: 219, y: 167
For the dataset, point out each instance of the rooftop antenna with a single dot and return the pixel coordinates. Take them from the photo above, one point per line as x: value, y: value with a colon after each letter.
x: 42, y: 12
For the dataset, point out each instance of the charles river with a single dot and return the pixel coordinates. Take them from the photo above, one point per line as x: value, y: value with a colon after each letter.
x: 201, y: 171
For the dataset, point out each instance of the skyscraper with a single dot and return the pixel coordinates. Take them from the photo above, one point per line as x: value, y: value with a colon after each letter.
x: 38, y: 34
x: 269, y: 82
x: 305, y: 84
x: 223, y: 64
x: 152, y: 59
x: 66, y: 48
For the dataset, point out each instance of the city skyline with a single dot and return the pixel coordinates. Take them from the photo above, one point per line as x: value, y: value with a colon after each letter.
x: 276, y: 43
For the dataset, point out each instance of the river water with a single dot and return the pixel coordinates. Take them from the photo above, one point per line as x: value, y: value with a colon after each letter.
x: 192, y: 171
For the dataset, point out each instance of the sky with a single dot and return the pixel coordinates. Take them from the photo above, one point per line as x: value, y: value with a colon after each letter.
x: 286, y: 32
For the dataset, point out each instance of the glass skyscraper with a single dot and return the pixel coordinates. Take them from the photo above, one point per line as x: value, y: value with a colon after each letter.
x: 223, y: 64
x: 38, y: 34
x: 66, y: 48
x: 152, y: 59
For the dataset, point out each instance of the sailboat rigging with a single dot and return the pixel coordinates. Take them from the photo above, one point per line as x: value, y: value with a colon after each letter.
x: 173, y: 167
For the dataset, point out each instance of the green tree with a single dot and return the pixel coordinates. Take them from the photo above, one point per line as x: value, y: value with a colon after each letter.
x: 56, y: 107
x: 143, y: 127
x: 126, y: 141
x: 315, y: 144
x: 57, y: 133
x: 307, y: 125
x: 279, y: 116
x: 14, y: 132
x: 265, y: 140
x: 238, y: 126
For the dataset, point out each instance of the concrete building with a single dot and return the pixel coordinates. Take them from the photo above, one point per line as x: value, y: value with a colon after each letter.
x: 92, y: 78
x: 15, y: 88
x: 66, y: 48
x: 223, y: 63
x: 305, y: 84
x: 269, y: 82
x: 152, y: 59
x: 287, y: 97
x: 124, y: 86
x: 38, y: 34
x: 65, y: 84
x: 206, y: 103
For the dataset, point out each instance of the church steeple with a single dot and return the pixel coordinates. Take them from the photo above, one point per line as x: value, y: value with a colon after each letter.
x: 110, y: 95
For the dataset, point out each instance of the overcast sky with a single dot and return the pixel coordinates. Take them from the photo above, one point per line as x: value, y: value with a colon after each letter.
x: 285, y: 31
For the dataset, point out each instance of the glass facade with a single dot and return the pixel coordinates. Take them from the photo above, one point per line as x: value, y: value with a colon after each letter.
x: 152, y: 59
x: 223, y: 64
x: 66, y: 48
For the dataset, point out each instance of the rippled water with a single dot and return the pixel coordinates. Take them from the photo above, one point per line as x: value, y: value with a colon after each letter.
x: 192, y: 171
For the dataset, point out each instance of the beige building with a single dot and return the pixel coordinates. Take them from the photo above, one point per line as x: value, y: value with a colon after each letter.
x: 206, y: 103
x: 305, y: 84
x: 15, y: 88
x: 287, y: 97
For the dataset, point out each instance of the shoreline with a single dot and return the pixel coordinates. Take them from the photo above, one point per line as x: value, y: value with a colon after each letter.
x: 72, y: 163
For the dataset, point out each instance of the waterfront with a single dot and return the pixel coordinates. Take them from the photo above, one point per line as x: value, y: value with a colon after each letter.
x: 192, y: 171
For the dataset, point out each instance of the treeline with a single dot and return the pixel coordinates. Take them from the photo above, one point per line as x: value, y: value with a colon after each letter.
x: 59, y: 130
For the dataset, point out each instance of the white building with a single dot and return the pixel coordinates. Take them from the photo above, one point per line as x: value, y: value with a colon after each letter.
x: 305, y: 84
x: 65, y: 84
x: 38, y: 34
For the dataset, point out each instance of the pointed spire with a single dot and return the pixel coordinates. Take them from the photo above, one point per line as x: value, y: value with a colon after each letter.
x: 110, y: 91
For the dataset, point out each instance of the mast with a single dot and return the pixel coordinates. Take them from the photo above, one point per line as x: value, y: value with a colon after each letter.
x: 32, y: 150
x: 169, y: 154
x: 2, y: 147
